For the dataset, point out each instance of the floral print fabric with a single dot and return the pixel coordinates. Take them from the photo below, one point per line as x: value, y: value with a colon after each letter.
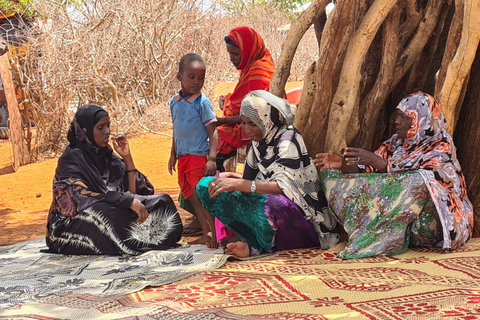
x: 382, y: 213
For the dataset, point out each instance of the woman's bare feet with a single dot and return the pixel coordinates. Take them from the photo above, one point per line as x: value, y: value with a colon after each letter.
x: 227, y: 240
x: 205, y: 239
x: 239, y: 249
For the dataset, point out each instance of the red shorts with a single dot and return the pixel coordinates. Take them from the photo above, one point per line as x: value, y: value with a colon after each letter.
x: 191, y: 169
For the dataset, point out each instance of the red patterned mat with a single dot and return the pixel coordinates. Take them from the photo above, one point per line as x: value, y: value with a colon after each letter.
x: 313, y: 284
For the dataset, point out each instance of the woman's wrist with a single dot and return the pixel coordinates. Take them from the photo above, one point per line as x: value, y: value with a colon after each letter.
x: 129, y: 165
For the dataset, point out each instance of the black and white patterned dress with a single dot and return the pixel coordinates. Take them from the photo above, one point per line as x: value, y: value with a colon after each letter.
x: 90, y: 212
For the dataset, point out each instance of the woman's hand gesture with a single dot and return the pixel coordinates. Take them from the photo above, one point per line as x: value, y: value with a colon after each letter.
x: 140, y: 210
x: 121, y: 146
x: 329, y: 160
x: 356, y: 156
x: 218, y: 185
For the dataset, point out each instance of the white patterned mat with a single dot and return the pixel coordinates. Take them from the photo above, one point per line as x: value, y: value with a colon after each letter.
x: 29, y: 275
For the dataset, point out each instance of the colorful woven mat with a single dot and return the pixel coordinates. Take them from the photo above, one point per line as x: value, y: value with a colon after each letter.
x: 313, y: 284
x: 298, y: 284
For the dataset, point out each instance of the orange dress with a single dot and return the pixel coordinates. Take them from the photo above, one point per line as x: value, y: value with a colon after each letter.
x: 257, y: 70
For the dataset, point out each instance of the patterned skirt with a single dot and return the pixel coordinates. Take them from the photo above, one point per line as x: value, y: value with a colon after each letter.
x: 268, y: 223
x: 382, y: 213
x: 106, y: 229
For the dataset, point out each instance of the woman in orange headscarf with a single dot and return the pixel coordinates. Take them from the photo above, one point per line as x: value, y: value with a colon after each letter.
x: 249, y: 55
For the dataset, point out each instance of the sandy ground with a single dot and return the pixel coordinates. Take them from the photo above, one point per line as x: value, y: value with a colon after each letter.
x: 26, y: 195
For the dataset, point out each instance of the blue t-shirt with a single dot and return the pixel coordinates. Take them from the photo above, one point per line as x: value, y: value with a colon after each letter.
x: 190, y: 116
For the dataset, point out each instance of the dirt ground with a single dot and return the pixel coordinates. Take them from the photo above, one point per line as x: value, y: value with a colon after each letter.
x: 26, y: 195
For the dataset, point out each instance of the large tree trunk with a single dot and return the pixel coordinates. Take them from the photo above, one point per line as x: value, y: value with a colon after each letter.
x: 362, y: 74
x: 372, y: 104
x: 306, y: 102
x: 467, y: 140
x: 343, y: 101
x: 454, y: 36
x: 335, y: 30
x: 459, y: 69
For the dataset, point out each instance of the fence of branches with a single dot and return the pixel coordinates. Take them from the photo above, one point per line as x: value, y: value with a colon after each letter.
x: 124, y: 56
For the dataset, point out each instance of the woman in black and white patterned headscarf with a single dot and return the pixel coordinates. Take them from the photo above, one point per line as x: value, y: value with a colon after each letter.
x: 277, y: 204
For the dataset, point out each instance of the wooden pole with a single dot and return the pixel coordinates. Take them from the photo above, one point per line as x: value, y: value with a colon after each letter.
x: 20, y: 151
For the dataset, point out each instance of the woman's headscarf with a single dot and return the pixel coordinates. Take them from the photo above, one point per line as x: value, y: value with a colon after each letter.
x: 429, y: 148
x: 251, y: 45
x: 257, y: 70
x: 87, y: 173
x: 85, y: 119
x: 282, y: 156
x: 83, y: 159
x: 80, y: 135
x: 427, y: 118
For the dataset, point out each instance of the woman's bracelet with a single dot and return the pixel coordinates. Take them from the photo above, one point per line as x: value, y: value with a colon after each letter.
x: 131, y: 170
x: 229, y: 120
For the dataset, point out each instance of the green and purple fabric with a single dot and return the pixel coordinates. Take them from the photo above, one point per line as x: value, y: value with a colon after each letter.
x: 383, y: 213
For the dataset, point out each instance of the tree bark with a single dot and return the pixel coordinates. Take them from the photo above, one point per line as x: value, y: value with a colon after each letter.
x: 460, y: 66
x: 453, y: 40
x: 375, y: 100
x: 344, y: 99
x: 467, y: 140
x: 413, y: 17
x: 20, y: 151
x: 418, y: 41
x: 334, y: 32
x: 306, y: 101
x: 420, y: 68
x: 318, y: 26
x: 295, y: 34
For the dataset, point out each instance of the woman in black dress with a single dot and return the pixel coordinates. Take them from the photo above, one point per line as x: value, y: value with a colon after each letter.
x: 101, y: 203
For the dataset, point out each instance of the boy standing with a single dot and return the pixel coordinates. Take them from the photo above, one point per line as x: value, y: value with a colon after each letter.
x: 194, y: 137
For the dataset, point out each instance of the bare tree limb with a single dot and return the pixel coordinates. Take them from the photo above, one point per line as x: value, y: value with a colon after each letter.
x: 295, y: 34
x: 459, y: 68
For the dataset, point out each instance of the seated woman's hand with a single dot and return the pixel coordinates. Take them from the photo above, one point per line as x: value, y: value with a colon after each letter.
x: 121, y: 145
x: 356, y: 156
x: 140, y: 210
x: 329, y: 160
x: 218, y: 185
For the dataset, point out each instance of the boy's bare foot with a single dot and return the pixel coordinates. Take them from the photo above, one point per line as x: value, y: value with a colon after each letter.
x: 213, y: 244
x: 202, y: 240
x: 227, y: 240
x: 239, y: 249
x: 192, y: 229
x: 209, y: 241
